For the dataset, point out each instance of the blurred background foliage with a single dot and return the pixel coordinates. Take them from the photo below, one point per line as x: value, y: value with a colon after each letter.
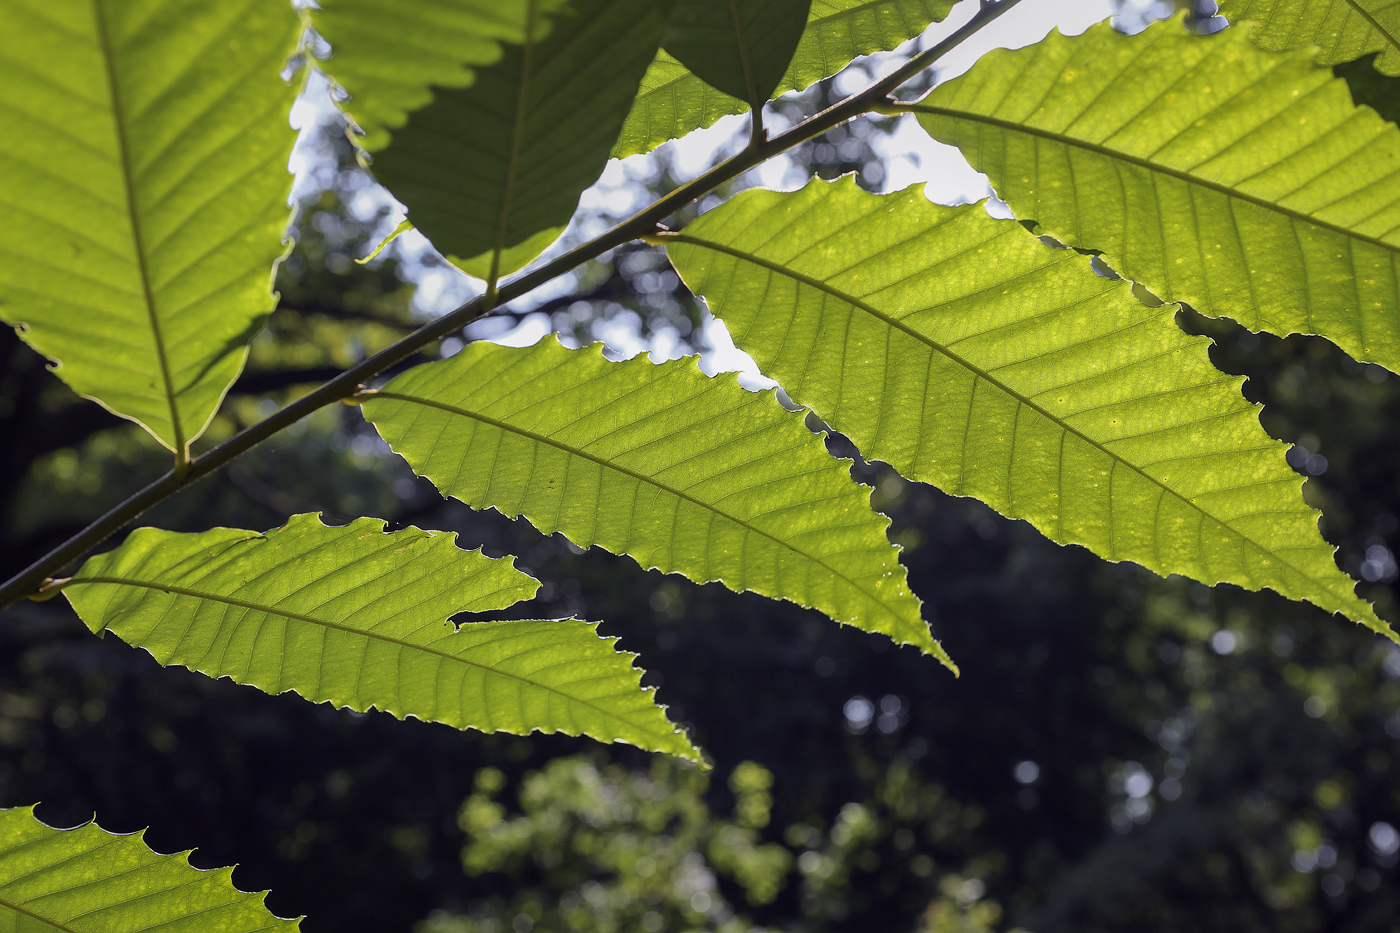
x: 1121, y: 752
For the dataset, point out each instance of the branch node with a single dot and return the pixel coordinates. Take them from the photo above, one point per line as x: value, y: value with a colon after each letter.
x: 659, y: 236
x: 49, y: 589
x: 357, y: 397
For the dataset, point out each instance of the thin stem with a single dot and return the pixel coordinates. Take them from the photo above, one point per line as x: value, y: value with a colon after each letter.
x: 345, y: 385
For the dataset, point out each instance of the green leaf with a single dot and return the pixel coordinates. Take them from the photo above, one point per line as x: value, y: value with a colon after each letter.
x: 739, y: 47
x: 1242, y: 182
x: 390, y: 57
x: 973, y: 357
x: 492, y: 172
x: 684, y: 473
x: 1343, y: 29
x: 145, y: 194
x: 673, y: 101
x: 85, y: 880
x: 359, y: 618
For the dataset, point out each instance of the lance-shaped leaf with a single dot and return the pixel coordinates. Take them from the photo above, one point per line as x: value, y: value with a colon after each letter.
x: 145, y: 194
x: 684, y: 473
x: 740, y: 47
x: 358, y: 618
x: 1342, y: 29
x: 85, y: 880
x: 967, y: 354
x: 673, y: 100
x: 390, y: 57
x: 492, y: 172
x: 1240, y: 181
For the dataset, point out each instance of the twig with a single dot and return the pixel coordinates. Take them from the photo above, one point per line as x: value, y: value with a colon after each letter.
x: 345, y: 385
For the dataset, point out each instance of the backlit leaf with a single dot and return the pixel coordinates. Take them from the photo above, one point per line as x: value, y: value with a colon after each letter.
x: 685, y: 473
x: 1343, y: 29
x: 973, y: 357
x: 673, y: 101
x: 1240, y: 181
x: 357, y: 617
x: 145, y: 194
x: 85, y: 880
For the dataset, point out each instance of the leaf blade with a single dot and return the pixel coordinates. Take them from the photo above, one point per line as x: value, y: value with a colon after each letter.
x: 391, y: 60
x: 1028, y: 382
x: 358, y: 618
x: 155, y: 176
x: 1344, y: 30
x: 492, y: 172
x: 673, y: 101
x: 739, y: 47
x: 684, y: 473
x: 1239, y: 181
x: 81, y: 880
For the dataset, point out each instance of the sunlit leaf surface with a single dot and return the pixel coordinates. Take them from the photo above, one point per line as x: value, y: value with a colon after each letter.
x: 1342, y: 29
x: 85, y: 880
x: 974, y: 357
x: 1240, y: 181
x: 144, y: 185
x: 360, y: 618
x: 685, y: 473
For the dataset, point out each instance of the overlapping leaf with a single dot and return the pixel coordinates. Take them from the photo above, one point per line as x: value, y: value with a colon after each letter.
x: 85, y: 880
x: 1240, y: 181
x: 1342, y: 29
x: 967, y: 354
x: 686, y: 474
x: 740, y: 47
x: 145, y: 194
x: 673, y: 101
x: 359, y: 618
x: 390, y: 57
x: 492, y: 172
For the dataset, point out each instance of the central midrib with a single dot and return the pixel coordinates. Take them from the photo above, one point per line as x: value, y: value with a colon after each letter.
x: 640, y: 477
x: 517, y: 134
x: 978, y: 371
x: 128, y: 179
x: 1157, y: 167
x: 742, y: 41
x: 29, y: 913
x: 312, y: 620
x: 1366, y: 14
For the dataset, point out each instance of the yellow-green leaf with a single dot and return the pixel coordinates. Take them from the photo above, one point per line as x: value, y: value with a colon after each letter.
x: 359, y: 618
x: 967, y: 354
x: 145, y: 194
x: 684, y: 473
x: 1240, y: 181
x: 1342, y: 29
x: 85, y: 880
